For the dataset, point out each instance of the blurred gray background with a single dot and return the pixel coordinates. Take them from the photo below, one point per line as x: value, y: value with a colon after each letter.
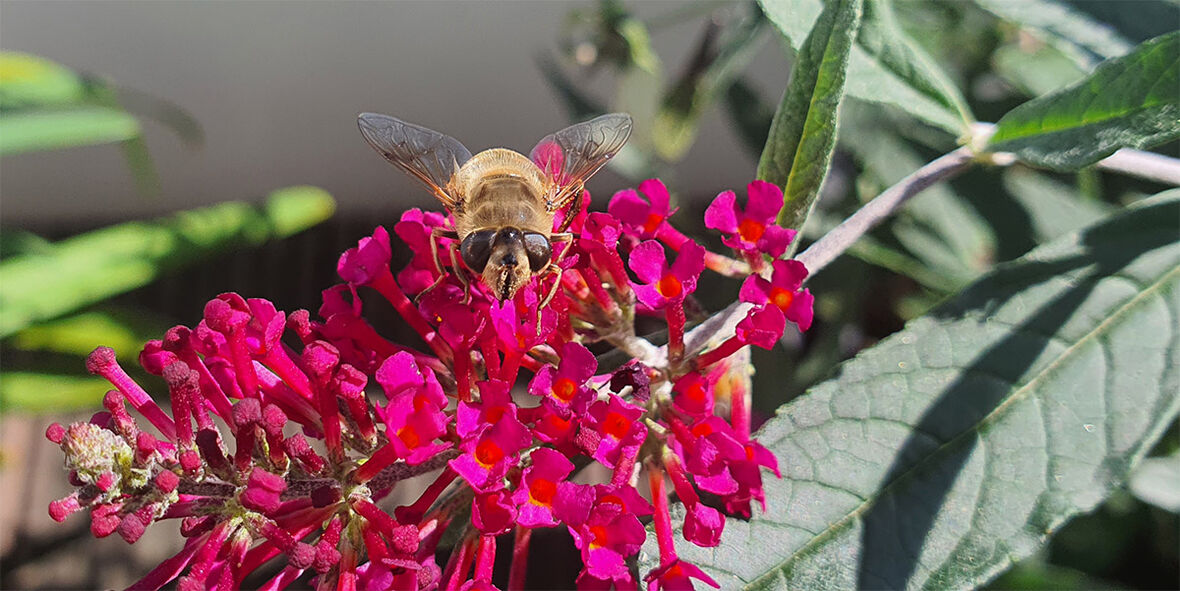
x: 277, y: 86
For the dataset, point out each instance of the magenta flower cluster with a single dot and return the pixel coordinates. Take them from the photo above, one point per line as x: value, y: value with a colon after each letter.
x: 285, y: 433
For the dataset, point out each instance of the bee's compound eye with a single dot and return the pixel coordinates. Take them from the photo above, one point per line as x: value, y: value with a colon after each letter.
x: 537, y: 247
x: 476, y: 249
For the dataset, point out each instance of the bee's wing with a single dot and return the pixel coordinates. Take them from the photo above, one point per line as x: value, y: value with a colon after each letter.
x: 427, y: 155
x: 572, y: 155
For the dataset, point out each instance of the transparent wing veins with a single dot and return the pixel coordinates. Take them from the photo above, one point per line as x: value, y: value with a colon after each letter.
x: 425, y: 154
x: 583, y: 149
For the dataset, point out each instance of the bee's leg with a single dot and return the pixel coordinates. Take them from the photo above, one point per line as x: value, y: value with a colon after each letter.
x: 552, y: 268
x: 565, y: 237
x: 461, y: 276
x: 435, y: 234
x: 573, y: 211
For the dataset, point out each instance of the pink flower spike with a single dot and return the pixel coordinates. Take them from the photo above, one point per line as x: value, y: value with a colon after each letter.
x: 619, y: 430
x: 493, y: 513
x: 752, y: 230
x: 676, y: 575
x: 661, y: 284
x: 565, y: 385
x: 607, y: 537
x: 363, y: 264
x: 642, y: 217
x: 488, y: 456
x: 101, y: 362
x: 782, y: 291
x: 540, y: 486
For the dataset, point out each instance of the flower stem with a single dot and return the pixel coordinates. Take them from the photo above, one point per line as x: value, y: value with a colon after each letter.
x: 518, y: 572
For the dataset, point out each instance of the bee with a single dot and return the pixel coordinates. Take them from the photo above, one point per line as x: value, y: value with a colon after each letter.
x: 503, y: 203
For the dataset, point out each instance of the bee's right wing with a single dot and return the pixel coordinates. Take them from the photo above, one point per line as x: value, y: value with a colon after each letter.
x: 427, y: 155
x: 572, y: 155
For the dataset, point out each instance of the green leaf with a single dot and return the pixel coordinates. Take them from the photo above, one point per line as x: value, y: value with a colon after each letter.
x: 27, y: 131
x: 936, y: 458
x: 803, y: 133
x: 29, y: 80
x: 99, y: 264
x: 1036, y: 71
x: 1157, y: 481
x: 885, y: 66
x: 1128, y: 102
x: 1084, y: 39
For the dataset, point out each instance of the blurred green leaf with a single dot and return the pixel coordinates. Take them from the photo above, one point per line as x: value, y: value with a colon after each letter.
x: 44, y: 392
x: 29, y: 80
x: 1053, y: 208
x: 890, y: 49
x: 15, y: 241
x: 1040, y: 576
x: 803, y: 133
x: 1085, y: 40
x: 885, y: 66
x: 639, y: 43
x: 939, y: 456
x: 723, y: 52
x: 96, y: 265
x: 1036, y: 71
x: 1128, y: 102
x: 938, y: 227
x: 1136, y: 20
x: 124, y: 330
x: 27, y: 131
x: 1157, y: 481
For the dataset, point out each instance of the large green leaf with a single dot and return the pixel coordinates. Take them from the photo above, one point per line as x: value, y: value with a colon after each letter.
x: 956, y: 446
x: 1128, y: 102
x: 99, y: 264
x: 885, y: 65
x: 803, y: 132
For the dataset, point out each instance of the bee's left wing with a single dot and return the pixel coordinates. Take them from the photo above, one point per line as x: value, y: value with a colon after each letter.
x: 574, y: 154
x: 427, y: 155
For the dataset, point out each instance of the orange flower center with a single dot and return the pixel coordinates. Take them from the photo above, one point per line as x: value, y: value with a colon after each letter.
x: 542, y: 491
x: 494, y: 414
x: 751, y: 230
x: 557, y: 423
x: 409, y: 436
x: 696, y: 392
x: 600, y: 536
x: 488, y: 453
x: 420, y: 401
x: 615, y: 425
x: 563, y: 389
x: 782, y: 298
x: 652, y: 222
x: 669, y: 286
x: 702, y: 429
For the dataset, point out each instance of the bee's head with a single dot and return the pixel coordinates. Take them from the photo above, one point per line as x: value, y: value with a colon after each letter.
x: 506, y: 257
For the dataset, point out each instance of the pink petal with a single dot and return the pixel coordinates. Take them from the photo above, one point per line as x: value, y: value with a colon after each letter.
x: 657, y: 193
x: 648, y: 261
x: 801, y: 309
x: 721, y: 214
x: 762, y: 327
x: 765, y: 201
